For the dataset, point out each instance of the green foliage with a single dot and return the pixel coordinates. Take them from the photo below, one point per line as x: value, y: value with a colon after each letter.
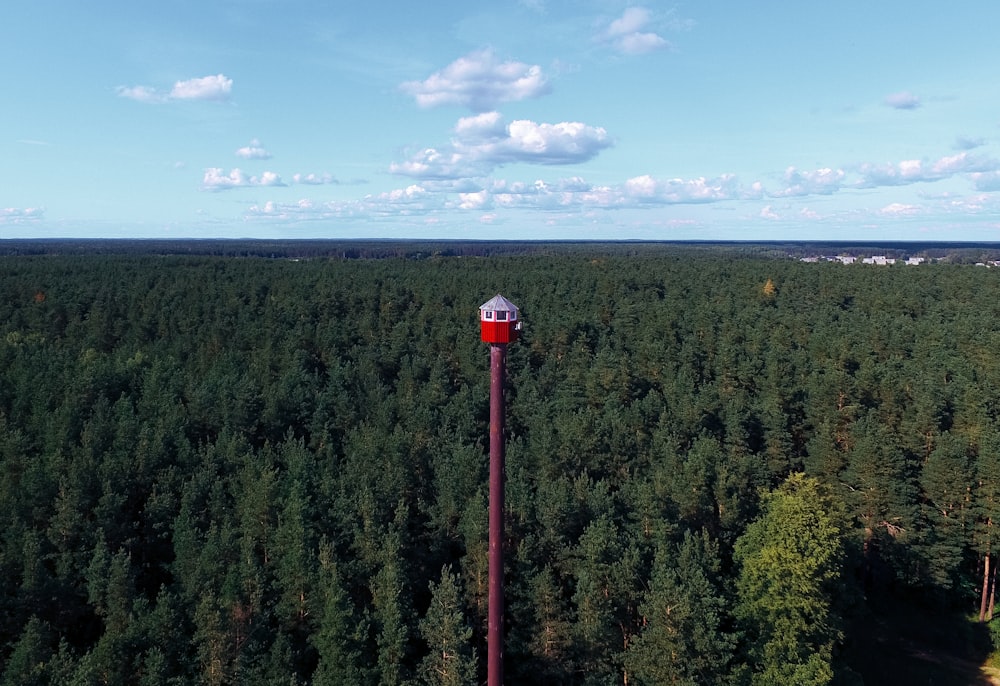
x: 791, y: 561
x: 248, y: 470
x: 450, y: 660
x: 683, y: 639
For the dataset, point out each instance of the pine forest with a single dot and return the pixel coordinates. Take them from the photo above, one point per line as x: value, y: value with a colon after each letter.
x: 722, y: 468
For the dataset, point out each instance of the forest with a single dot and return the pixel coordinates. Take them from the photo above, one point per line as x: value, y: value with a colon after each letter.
x: 721, y: 469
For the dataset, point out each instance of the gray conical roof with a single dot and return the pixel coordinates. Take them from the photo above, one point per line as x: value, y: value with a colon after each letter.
x: 498, y: 303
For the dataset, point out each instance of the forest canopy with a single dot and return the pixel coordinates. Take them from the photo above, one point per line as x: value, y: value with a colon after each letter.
x: 239, y: 470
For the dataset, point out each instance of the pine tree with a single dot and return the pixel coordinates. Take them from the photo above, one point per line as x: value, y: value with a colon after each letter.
x: 28, y: 663
x: 946, y: 481
x: 335, y: 638
x: 392, y: 612
x: 683, y: 640
x: 597, y: 631
x: 987, y: 509
x: 450, y: 660
x: 882, y: 495
x: 552, y: 635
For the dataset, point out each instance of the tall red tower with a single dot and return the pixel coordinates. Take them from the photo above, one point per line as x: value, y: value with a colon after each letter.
x: 499, y: 325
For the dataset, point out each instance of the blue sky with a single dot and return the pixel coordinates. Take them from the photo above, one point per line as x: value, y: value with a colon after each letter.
x: 492, y: 120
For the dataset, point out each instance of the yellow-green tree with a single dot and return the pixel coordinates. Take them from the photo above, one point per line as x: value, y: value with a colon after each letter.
x: 791, y: 559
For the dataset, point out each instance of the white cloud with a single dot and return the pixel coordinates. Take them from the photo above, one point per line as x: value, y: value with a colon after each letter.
x: 409, y: 195
x: 964, y: 163
x: 639, y: 191
x: 903, y: 100
x: 767, y: 213
x: 409, y: 201
x: 485, y: 141
x: 819, y: 182
x: 639, y: 43
x: 634, y: 19
x: 915, y: 171
x: 218, y: 88
x: 488, y: 125
x: 140, y: 94
x: 268, y: 178
x: 216, y: 180
x: 563, y: 143
x: 627, y: 33
x: 457, y: 177
x: 314, y: 179
x: 682, y: 191
x: 18, y: 215
x: 254, y: 151
x: 898, y: 209
x: 474, y: 201
x: 480, y: 82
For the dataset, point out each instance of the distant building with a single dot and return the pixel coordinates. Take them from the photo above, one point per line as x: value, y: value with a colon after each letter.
x: 879, y: 259
x: 916, y: 260
x: 847, y: 259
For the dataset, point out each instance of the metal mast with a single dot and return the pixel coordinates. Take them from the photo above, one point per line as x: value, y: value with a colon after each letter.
x: 494, y: 637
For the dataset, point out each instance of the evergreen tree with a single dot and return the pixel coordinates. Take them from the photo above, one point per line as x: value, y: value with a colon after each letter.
x: 883, y: 497
x: 684, y: 639
x: 450, y: 660
x: 946, y: 481
x: 29, y: 664
x: 552, y: 630
x: 987, y: 510
x: 598, y: 627
x: 335, y: 637
x: 392, y: 613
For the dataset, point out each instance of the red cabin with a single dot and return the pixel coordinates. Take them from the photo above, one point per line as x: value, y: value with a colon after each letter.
x: 498, y: 322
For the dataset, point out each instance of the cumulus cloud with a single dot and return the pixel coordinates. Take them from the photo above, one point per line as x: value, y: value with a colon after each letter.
x: 767, y: 213
x: 639, y: 191
x: 216, y: 180
x: 479, y: 81
x: 682, y: 191
x: 218, y: 88
x: 254, y: 151
x: 903, y: 100
x: 412, y: 200
x: 914, y: 171
x: 428, y: 198
x: 628, y: 35
x: 314, y: 179
x: 458, y: 177
x: 485, y: 141
x: 474, y: 201
x: 18, y: 215
x: 819, y: 182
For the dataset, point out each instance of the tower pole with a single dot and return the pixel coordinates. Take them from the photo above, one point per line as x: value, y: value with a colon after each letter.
x: 494, y: 637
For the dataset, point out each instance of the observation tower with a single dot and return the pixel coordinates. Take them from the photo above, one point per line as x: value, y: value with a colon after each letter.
x: 499, y: 325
